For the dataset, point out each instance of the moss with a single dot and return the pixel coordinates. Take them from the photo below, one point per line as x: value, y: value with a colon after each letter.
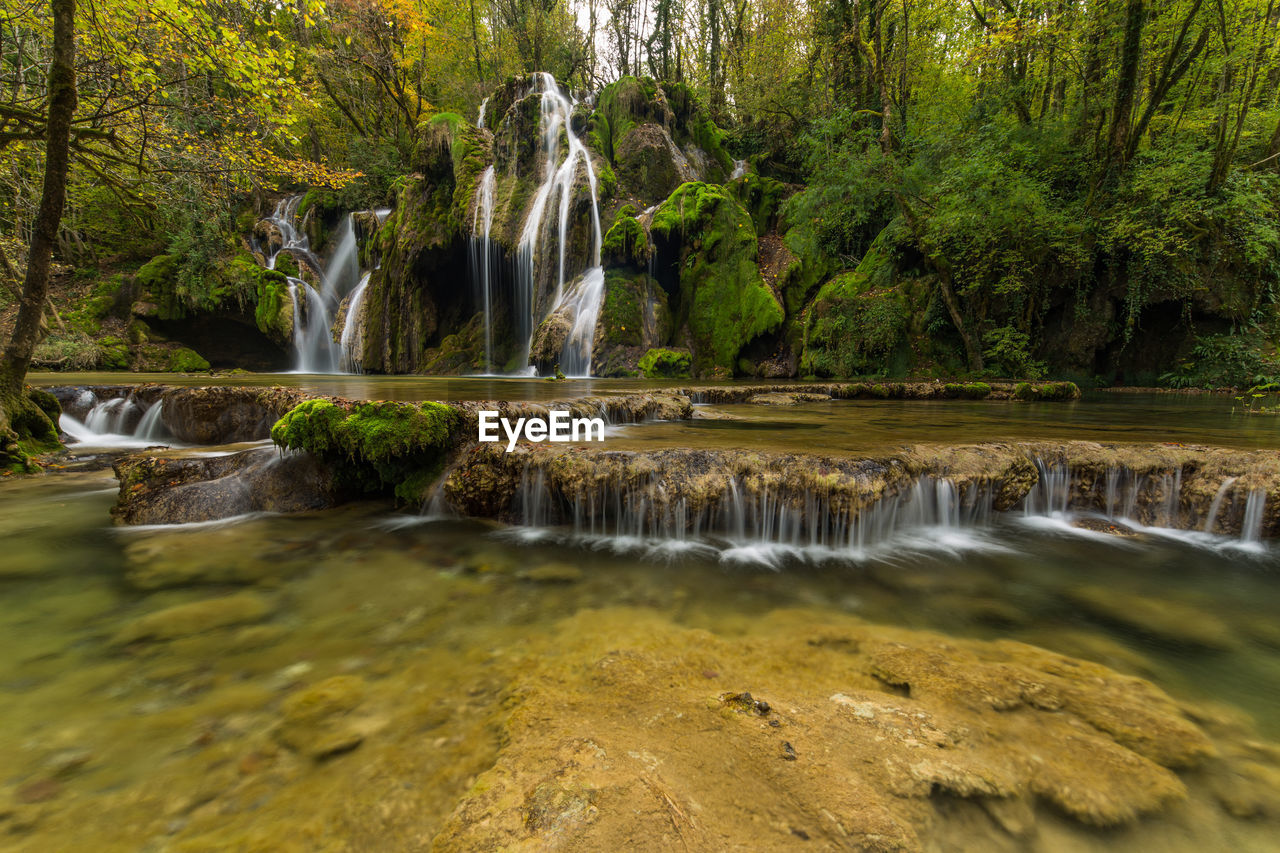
x: 968, y: 390
x: 113, y: 353
x: 762, y: 197
x: 45, y: 402
x: 665, y: 364
x: 274, y: 311
x: 852, y: 329
x: 694, y: 124
x: 1046, y: 391
x: 286, y: 265
x: 158, y: 278
x: 626, y: 241
x: 184, y: 360
x: 395, y: 448
x: 723, y: 299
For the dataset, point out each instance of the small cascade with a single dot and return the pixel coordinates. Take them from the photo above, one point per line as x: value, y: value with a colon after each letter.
x: 122, y: 422
x: 1140, y: 502
x: 554, y: 194
x: 484, y: 105
x: 314, y: 310
x: 151, y: 427
x: 739, y: 170
x: 483, y: 251
x: 352, y: 342
x: 1217, y: 504
x: 1251, y: 527
x: 762, y: 526
x: 584, y: 300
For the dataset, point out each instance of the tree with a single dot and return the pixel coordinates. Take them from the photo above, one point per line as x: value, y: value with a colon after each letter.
x: 22, y: 421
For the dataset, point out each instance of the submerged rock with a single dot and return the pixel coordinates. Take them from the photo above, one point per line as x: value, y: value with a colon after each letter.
x: 162, y: 490
x: 184, y: 620
x: 885, y: 739
x: 316, y: 720
x: 1160, y: 618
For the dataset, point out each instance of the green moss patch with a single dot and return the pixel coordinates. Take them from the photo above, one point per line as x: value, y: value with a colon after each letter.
x: 723, y: 299
x: 665, y: 364
x: 382, y: 447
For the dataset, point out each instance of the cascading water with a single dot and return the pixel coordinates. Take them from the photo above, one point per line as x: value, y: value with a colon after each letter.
x: 762, y: 527
x: 314, y: 309
x: 482, y: 257
x: 558, y: 178
x: 1145, y: 503
x: 352, y: 342
x: 749, y: 522
x: 116, y: 423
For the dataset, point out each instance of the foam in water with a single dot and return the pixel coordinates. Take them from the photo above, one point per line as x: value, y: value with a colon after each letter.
x: 107, y: 425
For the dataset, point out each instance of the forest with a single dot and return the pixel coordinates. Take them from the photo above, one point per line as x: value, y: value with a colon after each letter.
x: 1006, y: 188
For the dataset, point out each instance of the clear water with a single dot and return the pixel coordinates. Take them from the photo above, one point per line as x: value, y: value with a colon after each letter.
x: 166, y: 744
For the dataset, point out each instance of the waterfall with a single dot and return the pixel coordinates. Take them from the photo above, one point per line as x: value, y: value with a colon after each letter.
x: 352, y: 342
x: 1217, y: 503
x: 484, y: 105
x: 110, y: 423
x: 748, y: 517
x: 1141, y: 502
x: 739, y: 170
x: 342, y: 273
x: 482, y: 260
x: 585, y: 300
x: 747, y: 525
x: 558, y: 178
x: 1251, y: 527
x: 314, y: 310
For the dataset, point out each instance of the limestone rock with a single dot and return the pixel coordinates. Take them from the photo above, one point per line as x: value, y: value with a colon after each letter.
x: 184, y: 620
x: 164, y: 490
x: 316, y: 720
x: 1161, y: 618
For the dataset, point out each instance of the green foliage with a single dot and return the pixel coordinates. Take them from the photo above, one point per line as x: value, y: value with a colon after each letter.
x: 853, y: 329
x: 374, y: 447
x: 1008, y: 352
x: 1260, y: 399
x: 1227, y: 361
x: 722, y: 297
x: 665, y: 364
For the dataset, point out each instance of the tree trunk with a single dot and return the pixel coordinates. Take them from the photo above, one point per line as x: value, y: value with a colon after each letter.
x: 20, y: 419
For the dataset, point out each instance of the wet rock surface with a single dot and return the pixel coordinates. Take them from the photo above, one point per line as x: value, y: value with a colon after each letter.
x: 884, y: 739
x: 177, y: 490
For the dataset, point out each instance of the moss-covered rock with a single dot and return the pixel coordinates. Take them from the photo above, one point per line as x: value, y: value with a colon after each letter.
x: 113, y: 353
x: 656, y: 136
x: 707, y: 236
x: 158, y: 280
x: 274, y: 311
x: 375, y: 447
x: 853, y: 329
x: 762, y: 198
x: 665, y: 364
x: 626, y: 242
x: 185, y: 360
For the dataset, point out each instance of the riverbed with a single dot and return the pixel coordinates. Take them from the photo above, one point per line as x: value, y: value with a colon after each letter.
x: 442, y: 646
